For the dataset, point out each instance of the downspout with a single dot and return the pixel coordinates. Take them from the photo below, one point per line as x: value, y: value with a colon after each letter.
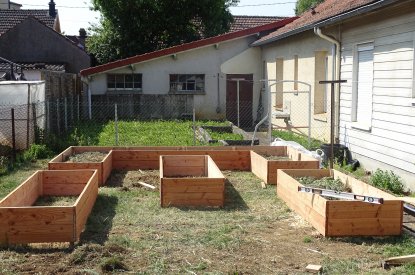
x: 335, y: 72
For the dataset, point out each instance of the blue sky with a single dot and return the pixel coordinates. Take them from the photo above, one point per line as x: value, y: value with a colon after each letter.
x: 75, y: 14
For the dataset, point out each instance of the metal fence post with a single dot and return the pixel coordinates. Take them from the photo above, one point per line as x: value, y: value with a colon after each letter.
x: 194, y: 125
x: 78, y: 107
x: 116, y: 124
x: 13, y: 135
x: 48, y: 116
x: 28, y: 118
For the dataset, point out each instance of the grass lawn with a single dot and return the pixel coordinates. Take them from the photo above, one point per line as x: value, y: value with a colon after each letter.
x: 302, y: 140
x: 140, y: 133
x: 255, y: 233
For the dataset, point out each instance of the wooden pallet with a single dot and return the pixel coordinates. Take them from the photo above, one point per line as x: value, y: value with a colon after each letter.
x: 190, y: 181
x: 22, y: 223
x: 342, y: 217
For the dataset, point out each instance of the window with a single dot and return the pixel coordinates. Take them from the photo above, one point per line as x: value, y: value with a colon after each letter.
x: 279, y: 63
x: 295, y: 72
x: 194, y: 83
x: 363, y: 86
x: 320, y: 91
x: 124, y: 82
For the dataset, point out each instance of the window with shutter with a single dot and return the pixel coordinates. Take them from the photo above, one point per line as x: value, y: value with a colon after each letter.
x: 363, y: 95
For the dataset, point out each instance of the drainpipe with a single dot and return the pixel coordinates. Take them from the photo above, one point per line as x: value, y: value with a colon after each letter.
x: 335, y: 71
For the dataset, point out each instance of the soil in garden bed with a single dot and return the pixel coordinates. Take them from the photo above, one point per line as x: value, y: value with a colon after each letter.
x: 279, y: 158
x: 87, y: 157
x: 130, y: 179
x: 56, y: 201
x: 325, y: 183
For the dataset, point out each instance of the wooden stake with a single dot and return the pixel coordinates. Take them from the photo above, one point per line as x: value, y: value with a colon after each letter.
x: 394, y: 261
x: 312, y: 268
x: 146, y: 185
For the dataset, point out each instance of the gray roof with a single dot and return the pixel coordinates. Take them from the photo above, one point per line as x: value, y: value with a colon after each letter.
x: 10, y: 18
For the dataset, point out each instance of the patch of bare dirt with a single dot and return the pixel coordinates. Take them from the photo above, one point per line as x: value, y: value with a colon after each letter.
x: 87, y: 157
x: 55, y: 201
x: 130, y: 179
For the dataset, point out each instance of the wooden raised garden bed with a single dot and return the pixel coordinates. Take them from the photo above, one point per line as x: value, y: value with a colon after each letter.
x: 103, y: 165
x: 265, y: 163
x: 341, y: 217
x: 190, y: 181
x: 21, y: 222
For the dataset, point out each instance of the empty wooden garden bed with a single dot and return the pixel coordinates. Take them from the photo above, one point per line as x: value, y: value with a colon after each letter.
x: 21, y: 222
x: 265, y: 163
x: 104, y: 166
x: 342, y: 217
x: 190, y: 181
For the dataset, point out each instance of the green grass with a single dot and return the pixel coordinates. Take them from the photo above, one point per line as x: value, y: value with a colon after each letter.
x: 300, y: 139
x: 224, y: 136
x: 139, y: 133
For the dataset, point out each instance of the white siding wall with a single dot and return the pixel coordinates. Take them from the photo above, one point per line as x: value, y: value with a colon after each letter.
x: 208, y: 61
x: 391, y: 139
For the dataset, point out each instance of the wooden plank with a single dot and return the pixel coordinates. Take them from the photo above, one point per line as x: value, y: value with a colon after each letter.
x: 364, y: 227
x: 52, y: 233
x: 79, y: 166
x: 106, y: 168
x: 66, y: 189
x: 26, y: 193
x: 213, y: 169
x: 180, y: 171
x: 355, y: 209
x: 192, y: 196
x: 194, y: 203
x: 395, y: 261
x: 62, y: 156
x: 85, y: 203
x: 259, y: 166
x: 35, y: 224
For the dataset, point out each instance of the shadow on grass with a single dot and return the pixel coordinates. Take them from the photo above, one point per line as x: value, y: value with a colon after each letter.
x: 99, y: 222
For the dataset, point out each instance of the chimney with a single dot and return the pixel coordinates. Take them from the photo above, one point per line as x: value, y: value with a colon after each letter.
x: 82, y: 33
x: 52, y: 9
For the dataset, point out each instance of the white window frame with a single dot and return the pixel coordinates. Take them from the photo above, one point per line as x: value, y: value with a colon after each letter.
x: 133, y: 89
x: 356, y: 124
x: 175, y: 88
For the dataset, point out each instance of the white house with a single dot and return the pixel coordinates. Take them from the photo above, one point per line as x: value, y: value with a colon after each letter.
x: 203, y: 69
x: 369, y: 43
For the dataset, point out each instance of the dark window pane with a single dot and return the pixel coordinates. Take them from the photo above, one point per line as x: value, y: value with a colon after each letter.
x: 191, y: 85
x: 120, y: 85
x: 182, y: 78
x: 111, y: 78
x: 138, y: 77
x: 199, y: 86
x: 119, y: 78
x: 128, y: 78
x: 173, y: 78
x: 129, y: 85
x: 137, y: 85
x: 111, y: 85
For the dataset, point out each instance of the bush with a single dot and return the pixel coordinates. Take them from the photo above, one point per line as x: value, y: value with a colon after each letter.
x: 387, y: 180
x: 37, y: 151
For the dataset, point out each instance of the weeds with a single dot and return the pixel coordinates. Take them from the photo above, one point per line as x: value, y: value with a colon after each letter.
x: 300, y: 139
x: 387, y: 180
x: 325, y: 183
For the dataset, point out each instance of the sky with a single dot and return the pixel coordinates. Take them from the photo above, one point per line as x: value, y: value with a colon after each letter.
x: 75, y: 14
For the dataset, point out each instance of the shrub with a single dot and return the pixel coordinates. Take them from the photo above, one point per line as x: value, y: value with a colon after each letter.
x: 387, y: 180
x: 37, y: 151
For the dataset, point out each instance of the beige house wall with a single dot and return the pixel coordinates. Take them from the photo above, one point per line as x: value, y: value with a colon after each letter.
x: 214, y: 61
x: 283, y: 54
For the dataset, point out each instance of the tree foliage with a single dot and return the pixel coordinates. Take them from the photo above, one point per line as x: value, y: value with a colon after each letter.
x: 131, y: 27
x: 304, y: 5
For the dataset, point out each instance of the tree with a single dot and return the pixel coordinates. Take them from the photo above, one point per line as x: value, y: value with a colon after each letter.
x: 304, y: 5
x: 131, y: 27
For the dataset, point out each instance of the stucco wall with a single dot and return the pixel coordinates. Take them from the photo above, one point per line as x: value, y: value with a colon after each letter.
x: 31, y: 41
x: 207, y: 60
x: 305, y: 46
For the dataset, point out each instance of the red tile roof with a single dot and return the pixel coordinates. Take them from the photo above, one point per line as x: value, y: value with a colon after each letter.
x: 10, y: 18
x: 186, y: 47
x: 241, y: 22
x: 325, y: 10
